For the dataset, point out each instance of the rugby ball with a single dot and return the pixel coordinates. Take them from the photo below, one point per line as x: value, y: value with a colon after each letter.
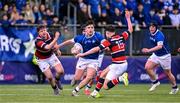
x: 77, y: 48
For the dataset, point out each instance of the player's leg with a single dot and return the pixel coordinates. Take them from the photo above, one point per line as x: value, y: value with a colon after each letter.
x: 90, y: 74
x: 80, y: 69
x: 59, y: 72
x: 51, y: 80
x: 45, y: 68
x: 77, y: 76
x: 100, y: 83
x: 150, y: 65
x: 54, y: 61
x: 88, y: 87
x: 166, y: 65
x: 116, y: 75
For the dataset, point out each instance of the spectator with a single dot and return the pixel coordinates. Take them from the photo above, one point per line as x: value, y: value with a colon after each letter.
x: 29, y: 15
x: 168, y: 5
x: 4, y: 11
x: 130, y: 4
x: 42, y: 9
x: 104, y: 19
x: 140, y: 15
x: 165, y: 17
x: 14, y: 14
x: 175, y: 17
x: 82, y: 12
x: 55, y: 20
x: 37, y: 14
x: 154, y: 17
x: 116, y: 4
x: 49, y: 15
x: 94, y: 10
x: 21, y: 19
x: 5, y: 21
x: 117, y: 19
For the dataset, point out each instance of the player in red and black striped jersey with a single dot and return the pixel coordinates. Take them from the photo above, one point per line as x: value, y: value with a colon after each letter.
x: 113, y: 74
x: 46, y: 57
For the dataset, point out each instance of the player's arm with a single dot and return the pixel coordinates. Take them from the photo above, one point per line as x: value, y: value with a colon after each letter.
x: 49, y: 46
x: 158, y: 47
x: 103, y: 45
x: 67, y: 42
x: 128, y: 18
x: 91, y: 51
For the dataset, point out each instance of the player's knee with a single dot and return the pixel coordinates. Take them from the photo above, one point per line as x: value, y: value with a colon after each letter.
x: 49, y: 79
x: 61, y: 72
x: 147, y: 67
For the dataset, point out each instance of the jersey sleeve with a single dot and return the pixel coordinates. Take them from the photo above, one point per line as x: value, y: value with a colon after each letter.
x: 104, y: 44
x: 160, y: 39
x: 77, y: 39
x: 100, y: 37
x: 40, y: 44
x: 125, y: 34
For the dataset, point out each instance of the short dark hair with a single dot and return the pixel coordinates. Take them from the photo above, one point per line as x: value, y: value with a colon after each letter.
x: 153, y: 23
x: 40, y: 27
x: 89, y: 22
x: 110, y: 28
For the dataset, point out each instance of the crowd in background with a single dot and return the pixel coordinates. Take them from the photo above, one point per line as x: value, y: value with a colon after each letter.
x: 164, y: 12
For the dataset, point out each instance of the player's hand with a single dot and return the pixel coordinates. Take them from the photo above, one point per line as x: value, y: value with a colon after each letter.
x: 145, y: 50
x: 79, y: 55
x: 58, y: 53
x: 127, y: 14
x: 57, y: 34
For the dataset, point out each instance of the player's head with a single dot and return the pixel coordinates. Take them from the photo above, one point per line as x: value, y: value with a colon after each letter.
x: 153, y: 27
x: 110, y: 31
x: 42, y: 32
x: 89, y: 27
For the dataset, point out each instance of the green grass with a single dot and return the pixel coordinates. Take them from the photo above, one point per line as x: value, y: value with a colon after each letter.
x: 134, y: 93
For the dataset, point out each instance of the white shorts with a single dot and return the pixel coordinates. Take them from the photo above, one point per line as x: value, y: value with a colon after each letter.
x: 100, y: 59
x: 164, y: 61
x: 87, y: 63
x: 116, y: 70
x: 50, y: 62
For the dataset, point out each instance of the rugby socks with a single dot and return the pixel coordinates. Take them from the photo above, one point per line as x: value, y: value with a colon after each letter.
x: 155, y: 81
x: 99, y: 84
x: 174, y: 87
x: 57, y: 78
x: 76, y: 89
x: 54, y: 87
x: 112, y: 83
x: 88, y: 86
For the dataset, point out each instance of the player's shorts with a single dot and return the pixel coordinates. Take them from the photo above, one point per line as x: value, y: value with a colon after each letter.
x: 116, y: 70
x: 87, y: 63
x: 164, y: 61
x: 50, y: 62
x: 100, y: 59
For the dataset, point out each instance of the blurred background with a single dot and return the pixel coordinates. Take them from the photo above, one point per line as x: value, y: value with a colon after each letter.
x: 20, y: 18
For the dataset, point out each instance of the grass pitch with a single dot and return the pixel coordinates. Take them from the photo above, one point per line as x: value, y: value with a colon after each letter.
x: 134, y: 93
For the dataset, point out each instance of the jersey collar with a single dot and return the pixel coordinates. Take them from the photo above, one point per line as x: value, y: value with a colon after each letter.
x: 154, y: 32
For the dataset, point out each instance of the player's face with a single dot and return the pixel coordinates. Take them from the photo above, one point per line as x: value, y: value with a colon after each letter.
x: 152, y: 29
x: 89, y: 30
x: 109, y: 34
x: 43, y: 33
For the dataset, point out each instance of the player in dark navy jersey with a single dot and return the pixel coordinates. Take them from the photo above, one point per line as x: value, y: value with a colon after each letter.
x: 46, y: 57
x: 115, y: 72
x: 160, y: 56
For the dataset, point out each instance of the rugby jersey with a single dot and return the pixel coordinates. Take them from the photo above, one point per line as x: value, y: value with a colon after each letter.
x: 117, y: 46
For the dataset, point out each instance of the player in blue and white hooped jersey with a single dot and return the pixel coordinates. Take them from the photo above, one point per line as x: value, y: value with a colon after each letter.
x: 160, y: 56
x: 90, y: 62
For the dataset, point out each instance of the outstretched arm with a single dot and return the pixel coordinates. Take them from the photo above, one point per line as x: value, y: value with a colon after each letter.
x: 49, y: 46
x: 93, y: 50
x: 67, y: 42
x: 128, y: 18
